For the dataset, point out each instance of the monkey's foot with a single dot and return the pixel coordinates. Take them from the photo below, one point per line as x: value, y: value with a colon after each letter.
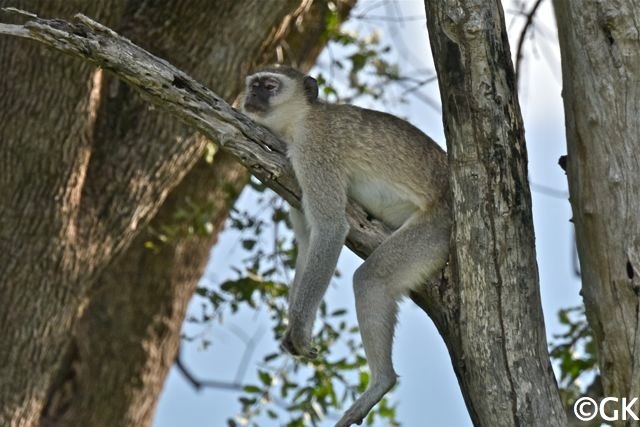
x: 299, y: 348
x: 361, y: 407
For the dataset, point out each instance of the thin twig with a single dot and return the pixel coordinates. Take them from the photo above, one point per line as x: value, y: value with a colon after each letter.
x: 200, y: 384
x: 250, y: 347
x: 528, y: 24
x: 549, y: 191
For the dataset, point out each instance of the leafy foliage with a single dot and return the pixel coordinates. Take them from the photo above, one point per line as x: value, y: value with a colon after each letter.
x: 367, y: 67
x: 574, y: 353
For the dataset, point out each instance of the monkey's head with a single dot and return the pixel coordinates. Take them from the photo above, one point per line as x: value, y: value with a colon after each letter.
x: 276, y: 95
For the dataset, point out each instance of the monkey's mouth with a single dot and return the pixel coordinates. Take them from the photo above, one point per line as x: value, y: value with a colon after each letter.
x: 254, y: 107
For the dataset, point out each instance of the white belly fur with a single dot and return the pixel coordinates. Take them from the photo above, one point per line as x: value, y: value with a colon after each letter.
x: 383, y: 200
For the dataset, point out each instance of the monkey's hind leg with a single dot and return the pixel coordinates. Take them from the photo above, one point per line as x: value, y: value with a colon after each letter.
x: 414, y: 252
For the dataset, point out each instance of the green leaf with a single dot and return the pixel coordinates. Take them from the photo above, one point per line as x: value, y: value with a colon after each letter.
x: 265, y: 377
x: 271, y: 414
x: 270, y: 357
x: 248, y: 244
x: 252, y: 389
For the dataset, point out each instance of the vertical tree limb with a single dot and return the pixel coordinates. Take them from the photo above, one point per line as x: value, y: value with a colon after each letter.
x: 501, y: 356
x: 600, y: 47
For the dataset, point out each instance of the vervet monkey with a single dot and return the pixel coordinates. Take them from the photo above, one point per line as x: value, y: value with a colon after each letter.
x: 396, y: 172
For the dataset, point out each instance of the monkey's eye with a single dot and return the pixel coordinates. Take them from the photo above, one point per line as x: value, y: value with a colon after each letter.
x: 271, y: 85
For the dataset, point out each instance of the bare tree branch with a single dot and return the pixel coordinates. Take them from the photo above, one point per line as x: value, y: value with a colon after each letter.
x: 199, y: 384
x: 523, y: 34
x: 173, y: 90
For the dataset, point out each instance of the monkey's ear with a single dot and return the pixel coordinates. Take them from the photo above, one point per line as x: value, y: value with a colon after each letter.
x: 310, y: 88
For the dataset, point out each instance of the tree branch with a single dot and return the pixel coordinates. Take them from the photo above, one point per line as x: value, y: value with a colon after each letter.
x: 523, y: 34
x: 173, y: 90
x: 200, y: 384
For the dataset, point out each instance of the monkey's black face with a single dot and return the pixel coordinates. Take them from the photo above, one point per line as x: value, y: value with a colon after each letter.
x: 259, y: 90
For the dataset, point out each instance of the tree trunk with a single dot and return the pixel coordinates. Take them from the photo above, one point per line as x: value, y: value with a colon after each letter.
x: 494, y: 327
x: 85, y: 166
x: 600, y: 48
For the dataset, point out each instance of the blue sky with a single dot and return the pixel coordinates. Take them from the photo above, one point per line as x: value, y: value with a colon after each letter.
x: 428, y: 389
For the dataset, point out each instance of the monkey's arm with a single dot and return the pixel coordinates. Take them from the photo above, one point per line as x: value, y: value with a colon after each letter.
x: 324, y: 201
x: 301, y: 231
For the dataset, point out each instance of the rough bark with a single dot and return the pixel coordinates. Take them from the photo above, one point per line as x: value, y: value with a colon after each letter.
x: 123, y: 346
x: 46, y: 254
x: 494, y: 329
x: 128, y: 336
x: 600, y: 46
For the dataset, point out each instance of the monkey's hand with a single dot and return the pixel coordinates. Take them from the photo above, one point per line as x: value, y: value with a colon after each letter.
x: 297, y: 343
